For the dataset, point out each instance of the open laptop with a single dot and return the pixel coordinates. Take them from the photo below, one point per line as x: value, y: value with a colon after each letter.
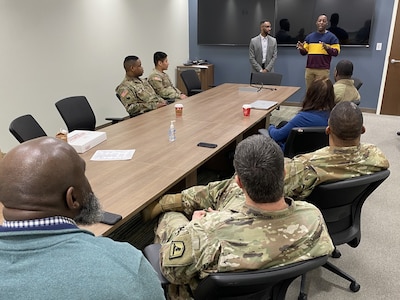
x: 263, y: 104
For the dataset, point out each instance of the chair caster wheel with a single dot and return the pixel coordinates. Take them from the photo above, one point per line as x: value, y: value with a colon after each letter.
x: 336, y: 254
x: 302, y: 296
x: 354, y: 287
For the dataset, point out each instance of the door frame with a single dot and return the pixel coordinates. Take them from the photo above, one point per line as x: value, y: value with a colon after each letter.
x: 387, y: 56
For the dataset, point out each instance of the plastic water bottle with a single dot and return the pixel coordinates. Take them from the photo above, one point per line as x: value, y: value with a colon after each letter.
x: 171, y: 132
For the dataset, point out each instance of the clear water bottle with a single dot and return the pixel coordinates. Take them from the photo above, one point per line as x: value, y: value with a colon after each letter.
x: 172, y: 132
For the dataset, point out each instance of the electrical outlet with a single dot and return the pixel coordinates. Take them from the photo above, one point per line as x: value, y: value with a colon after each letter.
x: 378, y: 46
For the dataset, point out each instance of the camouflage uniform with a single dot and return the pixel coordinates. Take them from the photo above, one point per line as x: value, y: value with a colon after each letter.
x: 2, y: 154
x: 230, y: 239
x: 304, y: 172
x: 236, y: 237
x: 163, y: 86
x: 137, y: 96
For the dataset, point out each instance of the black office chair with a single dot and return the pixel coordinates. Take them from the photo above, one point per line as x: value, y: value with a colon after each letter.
x: 25, y: 128
x: 357, y: 82
x: 259, y: 284
x: 76, y: 113
x: 268, y: 78
x: 191, y: 81
x: 303, y: 140
x: 341, y: 203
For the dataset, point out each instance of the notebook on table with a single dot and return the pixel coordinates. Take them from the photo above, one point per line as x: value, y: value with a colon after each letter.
x: 263, y: 104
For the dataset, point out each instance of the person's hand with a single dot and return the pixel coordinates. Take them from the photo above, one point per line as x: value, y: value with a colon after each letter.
x: 300, y: 45
x: 325, y: 46
x: 161, y: 104
x: 183, y: 96
x: 198, y: 214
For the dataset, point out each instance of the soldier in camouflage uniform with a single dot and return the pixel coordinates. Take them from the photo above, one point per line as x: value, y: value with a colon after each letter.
x: 247, y: 224
x: 160, y: 80
x: 345, y: 157
x: 137, y: 95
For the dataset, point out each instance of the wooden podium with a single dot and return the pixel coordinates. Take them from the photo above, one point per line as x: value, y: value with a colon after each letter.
x: 205, y: 73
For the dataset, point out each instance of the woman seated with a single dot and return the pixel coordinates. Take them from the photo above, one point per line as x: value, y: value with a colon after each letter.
x: 316, y: 107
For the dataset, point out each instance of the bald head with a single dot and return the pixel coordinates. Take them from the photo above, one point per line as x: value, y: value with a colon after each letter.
x: 346, y: 123
x: 43, y: 177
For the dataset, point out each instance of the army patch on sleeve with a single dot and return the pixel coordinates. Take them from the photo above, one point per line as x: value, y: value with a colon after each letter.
x: 123, y: 94
x: 177, y: 252
x: 157, y: 78
x: 176, y: 249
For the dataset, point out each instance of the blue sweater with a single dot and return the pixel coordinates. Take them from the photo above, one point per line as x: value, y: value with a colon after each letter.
x: 302, y: 119
x: 73, y: 264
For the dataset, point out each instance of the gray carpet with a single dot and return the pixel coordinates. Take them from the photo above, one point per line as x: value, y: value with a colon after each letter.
x: 374, y: 262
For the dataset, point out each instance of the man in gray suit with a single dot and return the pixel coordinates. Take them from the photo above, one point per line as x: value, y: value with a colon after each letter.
x: 263, y: 49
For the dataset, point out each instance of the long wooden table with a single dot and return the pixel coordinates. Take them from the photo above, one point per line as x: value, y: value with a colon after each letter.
x: 214, y: 116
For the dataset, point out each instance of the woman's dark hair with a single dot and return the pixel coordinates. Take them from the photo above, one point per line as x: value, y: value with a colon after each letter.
x: 319, y: 96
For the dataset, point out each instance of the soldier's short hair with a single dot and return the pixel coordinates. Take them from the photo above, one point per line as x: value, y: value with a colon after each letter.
x: 346, y: 121
x: 259, y: 164
x: 159, y: 56
x: 344, y: 68
x: 130, y: 61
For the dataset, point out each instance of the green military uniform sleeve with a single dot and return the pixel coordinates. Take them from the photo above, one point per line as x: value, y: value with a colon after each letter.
x: 300, y: 179
x: 162, y: 85
x: 138, y: 96
x: 216, y: 195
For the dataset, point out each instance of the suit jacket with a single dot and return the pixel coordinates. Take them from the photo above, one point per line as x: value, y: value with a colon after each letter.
x: 255, y: 53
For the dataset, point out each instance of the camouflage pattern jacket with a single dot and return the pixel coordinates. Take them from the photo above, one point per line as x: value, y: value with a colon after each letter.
x: 237, y: 237
x: 306, y: 171
x: 163, y: 86
x: 137, y: 96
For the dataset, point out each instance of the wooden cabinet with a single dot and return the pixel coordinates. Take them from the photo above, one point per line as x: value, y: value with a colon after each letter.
x: 205, y: 73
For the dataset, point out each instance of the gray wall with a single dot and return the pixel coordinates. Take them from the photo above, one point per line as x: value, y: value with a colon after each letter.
x: 55, y: 49
x: 232, y: 65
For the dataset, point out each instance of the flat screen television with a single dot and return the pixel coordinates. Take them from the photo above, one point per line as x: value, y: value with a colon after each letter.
x: 235, y: 22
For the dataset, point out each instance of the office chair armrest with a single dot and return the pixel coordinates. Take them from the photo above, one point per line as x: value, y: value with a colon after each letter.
x: 264, y: 132
x: 196, y: 91
x: 152, y: 253
x: 115, y: 120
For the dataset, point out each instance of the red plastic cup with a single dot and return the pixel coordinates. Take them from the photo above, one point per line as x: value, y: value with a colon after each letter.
x: 246, y: 110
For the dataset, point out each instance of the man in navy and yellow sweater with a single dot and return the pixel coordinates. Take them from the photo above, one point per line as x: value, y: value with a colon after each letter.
x: 320, y: 46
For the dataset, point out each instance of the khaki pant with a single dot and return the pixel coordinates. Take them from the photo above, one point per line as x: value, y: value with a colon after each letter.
x: 312, y: 74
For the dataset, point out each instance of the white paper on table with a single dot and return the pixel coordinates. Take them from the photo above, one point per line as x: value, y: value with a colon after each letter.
x: 105, y: 155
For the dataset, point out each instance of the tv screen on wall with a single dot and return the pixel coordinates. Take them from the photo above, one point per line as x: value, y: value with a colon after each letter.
x: 235, y: 22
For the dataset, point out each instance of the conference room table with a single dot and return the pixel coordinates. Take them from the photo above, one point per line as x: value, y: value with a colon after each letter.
x: 215, y: 116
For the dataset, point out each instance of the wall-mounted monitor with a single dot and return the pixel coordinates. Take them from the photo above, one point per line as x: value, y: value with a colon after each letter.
x: 231, y: 22
x: 235, y: 22
x: 349, y: 20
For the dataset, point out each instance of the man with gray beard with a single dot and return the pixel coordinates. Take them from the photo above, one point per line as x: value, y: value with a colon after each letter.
x: 43, y: 253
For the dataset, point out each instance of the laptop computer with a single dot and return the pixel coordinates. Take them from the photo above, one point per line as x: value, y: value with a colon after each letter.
x: 263, y: 104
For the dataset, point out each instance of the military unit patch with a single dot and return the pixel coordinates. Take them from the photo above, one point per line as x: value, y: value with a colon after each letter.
x: 176, y: 249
